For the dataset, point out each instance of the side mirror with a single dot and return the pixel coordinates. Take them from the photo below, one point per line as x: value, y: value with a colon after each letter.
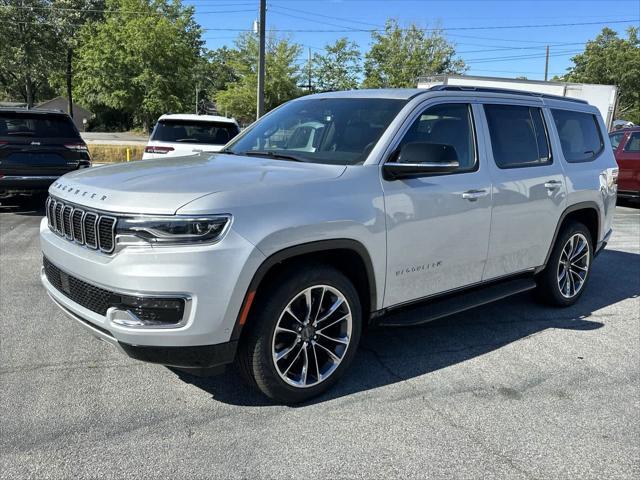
x: 416, y: 159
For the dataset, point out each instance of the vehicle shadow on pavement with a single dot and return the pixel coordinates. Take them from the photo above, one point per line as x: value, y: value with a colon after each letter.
x: 390, y: 355
x: 27, y: 206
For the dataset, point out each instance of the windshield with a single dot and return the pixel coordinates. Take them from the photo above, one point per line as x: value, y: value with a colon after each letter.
x: 17, y: 124
x: 340, y: 131
x: 189, y: 131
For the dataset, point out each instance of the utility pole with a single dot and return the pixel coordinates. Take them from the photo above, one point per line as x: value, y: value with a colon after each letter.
x: 261, y: 53
x: 310, y: 86
x: 546, y: 65
x: 196, y: 97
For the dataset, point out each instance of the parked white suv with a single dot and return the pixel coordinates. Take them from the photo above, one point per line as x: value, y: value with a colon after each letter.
x: 185, y: 134
x: 412, y: 205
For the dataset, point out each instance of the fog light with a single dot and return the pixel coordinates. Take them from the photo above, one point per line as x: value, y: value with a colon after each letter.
x: 148, y: 311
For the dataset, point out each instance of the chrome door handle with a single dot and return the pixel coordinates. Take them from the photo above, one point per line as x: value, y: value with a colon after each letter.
x: 473, y: 195
x: 552, y: 184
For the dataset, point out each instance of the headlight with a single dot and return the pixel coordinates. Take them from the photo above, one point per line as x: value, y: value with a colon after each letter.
x: 176, y: 230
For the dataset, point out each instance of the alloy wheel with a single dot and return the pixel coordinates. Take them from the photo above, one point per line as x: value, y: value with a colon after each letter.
x: 312, y: 336
x: 573, y: 266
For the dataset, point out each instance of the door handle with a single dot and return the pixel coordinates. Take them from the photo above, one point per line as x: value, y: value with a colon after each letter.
x: 473, y: 195
x: 552, y: 184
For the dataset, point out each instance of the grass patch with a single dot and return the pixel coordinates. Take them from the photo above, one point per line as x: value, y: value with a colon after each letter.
x: 114, y: 153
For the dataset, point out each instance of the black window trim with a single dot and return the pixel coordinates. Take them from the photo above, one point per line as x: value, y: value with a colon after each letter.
x: 415, y: 114
x: 595, y: 155
x: 628, y: 142
x: 550, y: 158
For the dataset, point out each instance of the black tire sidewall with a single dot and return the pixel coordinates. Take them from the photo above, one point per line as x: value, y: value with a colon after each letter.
x: 269, y: 309
x: 550, y: 288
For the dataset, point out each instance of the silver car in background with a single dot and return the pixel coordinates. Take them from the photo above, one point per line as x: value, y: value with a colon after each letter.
x: 407, y: 206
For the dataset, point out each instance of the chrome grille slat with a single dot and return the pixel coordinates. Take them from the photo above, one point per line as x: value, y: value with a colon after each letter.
x: 67, y: 210
x: 91, y: 229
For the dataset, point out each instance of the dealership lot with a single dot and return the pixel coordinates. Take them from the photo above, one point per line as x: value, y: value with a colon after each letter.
x: 512, y: 388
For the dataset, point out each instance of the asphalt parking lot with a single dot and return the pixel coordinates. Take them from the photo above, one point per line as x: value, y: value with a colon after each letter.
x: 511, y: 389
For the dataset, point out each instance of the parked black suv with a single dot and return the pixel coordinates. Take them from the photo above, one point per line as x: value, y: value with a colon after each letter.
x: 37, y: 147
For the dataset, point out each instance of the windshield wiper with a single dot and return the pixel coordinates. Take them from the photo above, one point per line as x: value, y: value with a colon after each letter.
x: 272, y: 154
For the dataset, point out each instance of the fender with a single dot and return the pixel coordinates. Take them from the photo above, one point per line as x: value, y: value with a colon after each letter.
x: 296, y: 251
x: 589, y: 205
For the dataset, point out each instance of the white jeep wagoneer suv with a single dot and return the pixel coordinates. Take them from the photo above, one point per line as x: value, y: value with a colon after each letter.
x: 409, y: 205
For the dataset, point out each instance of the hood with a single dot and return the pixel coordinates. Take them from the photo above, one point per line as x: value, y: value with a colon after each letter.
x: 162, y: 186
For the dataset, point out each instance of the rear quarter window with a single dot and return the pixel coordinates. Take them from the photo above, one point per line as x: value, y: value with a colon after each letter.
x: 579, y: 134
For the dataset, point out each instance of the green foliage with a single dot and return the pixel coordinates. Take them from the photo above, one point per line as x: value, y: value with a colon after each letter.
x: 398, y: 56
x: 338, y: 67
x: 142, y: 64
x: 26, y: 54
x: 611, y: 60
x: 281, y: 76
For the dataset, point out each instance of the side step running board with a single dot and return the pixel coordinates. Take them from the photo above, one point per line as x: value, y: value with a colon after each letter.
x: 428, y: 311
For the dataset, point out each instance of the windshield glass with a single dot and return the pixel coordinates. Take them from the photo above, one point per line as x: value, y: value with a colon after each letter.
x: 340, y: 131
x: 17, y: 124
x: 188, y: 131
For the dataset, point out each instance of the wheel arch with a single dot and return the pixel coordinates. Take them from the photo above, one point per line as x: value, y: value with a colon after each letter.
x: 586, y: 213
x: 349, y: 256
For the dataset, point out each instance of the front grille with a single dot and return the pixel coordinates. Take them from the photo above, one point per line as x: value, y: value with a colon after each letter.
x: 93, y: 229
x: 92, y: 298
x: 154, y: 311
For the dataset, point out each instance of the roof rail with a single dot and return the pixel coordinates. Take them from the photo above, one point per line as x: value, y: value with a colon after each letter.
x: 461, y: 88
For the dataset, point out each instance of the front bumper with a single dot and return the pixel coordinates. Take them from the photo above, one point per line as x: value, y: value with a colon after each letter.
x: 215, y: 278
x: 202, y: 357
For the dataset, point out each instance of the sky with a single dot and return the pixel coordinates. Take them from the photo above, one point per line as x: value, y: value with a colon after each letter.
x: 500, y: 38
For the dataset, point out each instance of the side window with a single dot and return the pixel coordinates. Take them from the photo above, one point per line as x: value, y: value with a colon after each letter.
x: 518, y: 136
x: 633, y: 144
x: 579, y: 134
x: 615, y: 139
x: 447, y: 124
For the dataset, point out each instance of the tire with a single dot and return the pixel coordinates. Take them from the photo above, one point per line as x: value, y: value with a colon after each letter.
x: 298, y: 342
x: 553, y: 285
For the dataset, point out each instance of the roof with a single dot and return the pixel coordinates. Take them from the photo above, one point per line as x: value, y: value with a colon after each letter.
x: 194, y: 117
x: 391, y: 93
x: 409, y: 93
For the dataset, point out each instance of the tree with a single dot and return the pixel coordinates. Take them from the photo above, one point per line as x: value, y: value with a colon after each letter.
x: 281, y: 76
x: 140, y: 64
x: 398, y: 56
x: 609, y: 59
x: 26, y: 55
x: 338, y: 67
x: 69, y: 16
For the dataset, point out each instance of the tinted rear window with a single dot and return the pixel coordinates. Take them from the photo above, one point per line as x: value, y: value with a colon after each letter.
x: 518, y: 136
x: 39, y: 125
x: 187, y: 131
x: 579, y: 135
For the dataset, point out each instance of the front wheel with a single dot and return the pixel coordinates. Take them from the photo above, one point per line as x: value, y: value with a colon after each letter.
x: 304, y: 334
x: 564, y: 278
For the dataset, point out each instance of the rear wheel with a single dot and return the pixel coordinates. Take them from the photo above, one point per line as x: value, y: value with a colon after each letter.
x: 303, y: 335
x: 564, y: 278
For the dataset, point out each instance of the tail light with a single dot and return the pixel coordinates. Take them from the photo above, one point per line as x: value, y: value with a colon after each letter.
x: 2, y: 144
x: 77, y: 147
x: 156, y: 149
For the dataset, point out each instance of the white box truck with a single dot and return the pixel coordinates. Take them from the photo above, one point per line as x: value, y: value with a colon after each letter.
x: 603, y: 97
